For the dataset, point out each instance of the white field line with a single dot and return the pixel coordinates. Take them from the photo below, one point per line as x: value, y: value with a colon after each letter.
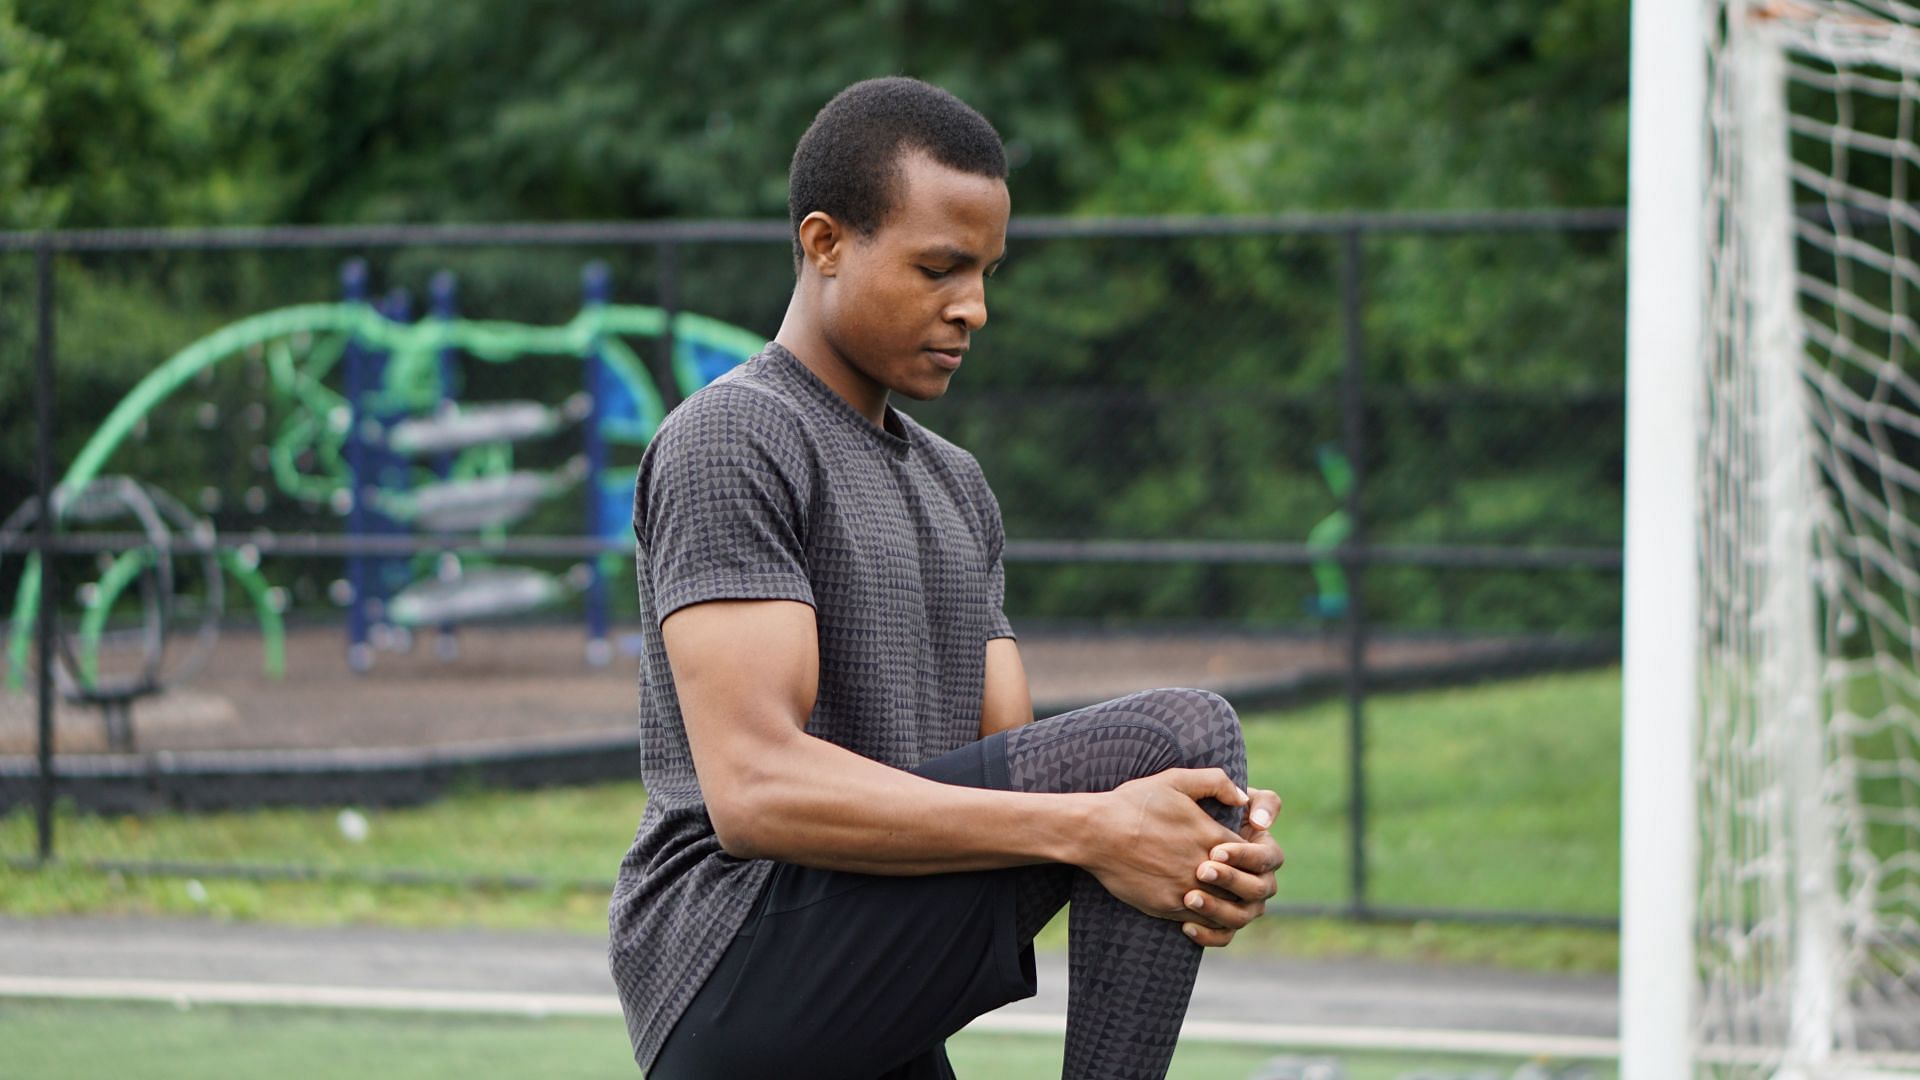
x: 186, y: 993
x: 330, y: 997
x: 1425, y: 1040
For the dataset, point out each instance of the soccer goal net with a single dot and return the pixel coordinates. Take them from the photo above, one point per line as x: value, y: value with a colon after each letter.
x: 1805, y: 920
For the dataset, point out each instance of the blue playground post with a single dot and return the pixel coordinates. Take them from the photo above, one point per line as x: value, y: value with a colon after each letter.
x: 371, y: 467
x: 595, y: 285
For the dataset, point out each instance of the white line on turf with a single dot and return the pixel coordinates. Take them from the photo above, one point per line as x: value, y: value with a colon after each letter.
x: 331, y: 997
x: 185, y: 993
x: 1499, y: 1043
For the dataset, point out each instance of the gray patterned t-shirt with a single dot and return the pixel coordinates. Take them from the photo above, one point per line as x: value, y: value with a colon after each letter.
x: 768, y: 485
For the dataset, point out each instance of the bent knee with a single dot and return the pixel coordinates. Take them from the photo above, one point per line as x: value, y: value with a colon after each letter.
x: 1216, y: 708
x: 1103, y: 746
x: 1204, y: 724
x: 1190, y: 708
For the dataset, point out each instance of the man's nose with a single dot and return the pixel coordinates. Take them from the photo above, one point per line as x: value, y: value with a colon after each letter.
x: 970, y: 310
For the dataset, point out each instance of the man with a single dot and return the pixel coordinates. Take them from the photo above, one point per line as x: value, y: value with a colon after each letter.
x: 854, y: 825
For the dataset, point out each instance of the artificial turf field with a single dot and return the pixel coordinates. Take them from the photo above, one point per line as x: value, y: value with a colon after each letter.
x: 1501, y: 796
x: 48, y: 1039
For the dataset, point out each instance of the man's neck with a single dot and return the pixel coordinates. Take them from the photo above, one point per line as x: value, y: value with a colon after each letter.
x: 800, y: 334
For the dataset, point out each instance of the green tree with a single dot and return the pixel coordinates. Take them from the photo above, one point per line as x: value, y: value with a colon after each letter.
x: 1217, y: 359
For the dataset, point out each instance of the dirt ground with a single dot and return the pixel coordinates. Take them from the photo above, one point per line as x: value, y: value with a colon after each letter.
x: 533, y: 682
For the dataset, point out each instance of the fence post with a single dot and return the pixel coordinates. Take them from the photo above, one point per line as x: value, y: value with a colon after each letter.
x: 665, y: 371
x: 43, y: 538
x: 1353, y: 557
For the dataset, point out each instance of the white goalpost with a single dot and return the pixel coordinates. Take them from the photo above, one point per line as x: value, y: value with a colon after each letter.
x: 1665, y: 271
x: 1771, y: 804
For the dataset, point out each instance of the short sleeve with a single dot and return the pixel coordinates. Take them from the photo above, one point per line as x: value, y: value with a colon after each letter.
x: 720, y: 503
x: 994, y: 530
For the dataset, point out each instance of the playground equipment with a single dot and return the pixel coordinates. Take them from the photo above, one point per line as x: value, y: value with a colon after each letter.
x: 417, y: 458
x: 393, y: 450
x: 1330, y: 597
x: 113, y: 668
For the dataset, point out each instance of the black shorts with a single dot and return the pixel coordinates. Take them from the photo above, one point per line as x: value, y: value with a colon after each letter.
x: 842, y: 976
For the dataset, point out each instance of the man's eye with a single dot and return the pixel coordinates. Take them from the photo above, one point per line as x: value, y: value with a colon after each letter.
x: 932, y: 273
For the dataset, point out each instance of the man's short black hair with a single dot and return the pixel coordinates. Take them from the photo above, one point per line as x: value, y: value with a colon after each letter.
x: 848, y: 163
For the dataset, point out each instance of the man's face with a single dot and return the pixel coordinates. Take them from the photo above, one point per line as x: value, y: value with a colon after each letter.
x: 905, y: 301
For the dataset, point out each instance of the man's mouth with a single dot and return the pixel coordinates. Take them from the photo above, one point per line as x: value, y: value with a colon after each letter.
x: 947, y: 358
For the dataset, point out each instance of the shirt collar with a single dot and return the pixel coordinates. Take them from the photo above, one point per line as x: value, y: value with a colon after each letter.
x: 780, y: 363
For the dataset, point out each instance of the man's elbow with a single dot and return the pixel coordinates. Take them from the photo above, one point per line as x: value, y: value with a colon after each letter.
x: 752, y: 788
x: 738, y: 823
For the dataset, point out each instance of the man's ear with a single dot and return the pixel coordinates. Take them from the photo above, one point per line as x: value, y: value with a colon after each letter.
x: 822, y: 242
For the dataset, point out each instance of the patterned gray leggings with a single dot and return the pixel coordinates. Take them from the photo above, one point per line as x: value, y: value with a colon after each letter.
x: 1131, y: 974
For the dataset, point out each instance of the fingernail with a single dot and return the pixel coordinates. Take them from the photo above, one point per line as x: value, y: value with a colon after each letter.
x: 1262, y: 818
x: 1220, y: 854
x: 1194, y: 900
x: 1207, y: 873
x: 1190, y: 930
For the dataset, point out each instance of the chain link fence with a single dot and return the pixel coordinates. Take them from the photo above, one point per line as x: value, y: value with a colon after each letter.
x: 1295, y: 459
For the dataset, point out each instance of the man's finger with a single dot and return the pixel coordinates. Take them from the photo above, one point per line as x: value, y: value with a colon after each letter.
x: 1197, y: 784
x: 1230, y: 914
x: 1263, y: 807
x: 1237, y: 883
x: 1207, y: 936
x: 1186, y: 915
x: 1254, y: 856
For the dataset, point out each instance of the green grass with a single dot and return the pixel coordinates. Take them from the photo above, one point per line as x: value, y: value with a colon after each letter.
x: 1503, y: 796
x: 159, y: 1042
x: 567, y: 835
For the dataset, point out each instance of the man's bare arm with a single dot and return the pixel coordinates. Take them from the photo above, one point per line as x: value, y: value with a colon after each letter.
x: 747, y: 673
x: 1007, y: 701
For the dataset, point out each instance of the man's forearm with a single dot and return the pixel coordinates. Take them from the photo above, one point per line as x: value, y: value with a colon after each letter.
x: 817, y: 804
